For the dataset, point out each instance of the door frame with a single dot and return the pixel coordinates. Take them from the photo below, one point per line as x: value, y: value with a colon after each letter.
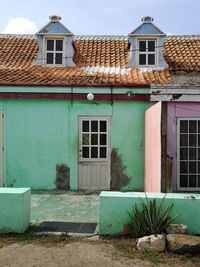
x: 85, y: 160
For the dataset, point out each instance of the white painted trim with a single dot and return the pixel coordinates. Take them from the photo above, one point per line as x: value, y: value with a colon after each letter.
x: 90, y: 118
x: 54, y: 37
x: 185, y: 189
x: 149, y: 38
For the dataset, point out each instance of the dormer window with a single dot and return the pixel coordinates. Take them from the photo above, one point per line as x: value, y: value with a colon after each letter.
x: 54, y: 52
x: 146, y: 46
x: 55, y: 43
x: 146, y: 53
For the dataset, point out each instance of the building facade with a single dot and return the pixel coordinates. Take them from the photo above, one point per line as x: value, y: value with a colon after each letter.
x: 72, y: 108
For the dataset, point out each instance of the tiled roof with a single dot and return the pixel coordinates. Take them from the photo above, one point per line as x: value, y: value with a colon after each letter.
x: 182, y: 53
x: 99, y: 61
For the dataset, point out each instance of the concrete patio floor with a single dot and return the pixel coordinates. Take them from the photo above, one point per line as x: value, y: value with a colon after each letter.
x: 69, y: 207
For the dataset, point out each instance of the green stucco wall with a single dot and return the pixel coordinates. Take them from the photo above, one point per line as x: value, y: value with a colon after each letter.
x: 114, y: 208
x: 128, y: 138
x: 39, y: 134
x: 14, y: 209
x: 37, y: 138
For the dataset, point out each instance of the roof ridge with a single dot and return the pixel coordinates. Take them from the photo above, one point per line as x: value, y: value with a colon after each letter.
x: 33, y: 36
x: 100, y: 37
x: 184, y: 36
x: 125, y: 37
x: 18, y: 35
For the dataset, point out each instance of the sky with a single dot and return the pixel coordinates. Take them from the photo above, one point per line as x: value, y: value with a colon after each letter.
x: 104, y: 17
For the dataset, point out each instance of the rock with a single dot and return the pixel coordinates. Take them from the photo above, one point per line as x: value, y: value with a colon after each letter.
x: 151, y: 243
x: 92, y: 238
x: 176, y: 229
x: 183, y: 243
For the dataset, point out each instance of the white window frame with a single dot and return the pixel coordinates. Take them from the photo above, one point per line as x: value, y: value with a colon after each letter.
x: 94, y: 118
x: 54, y: 51
x: 138, y: 53
x: 185, y: 189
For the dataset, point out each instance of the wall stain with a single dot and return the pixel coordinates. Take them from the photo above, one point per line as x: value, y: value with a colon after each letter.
x: 62, y: 180
x: 118, y: 177
x: 12, y: 184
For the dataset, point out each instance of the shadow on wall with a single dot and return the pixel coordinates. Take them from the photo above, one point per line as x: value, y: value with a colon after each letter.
x: 62, y: 180
x: 118, y: 178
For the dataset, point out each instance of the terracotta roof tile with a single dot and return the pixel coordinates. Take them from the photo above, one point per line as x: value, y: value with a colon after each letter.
x: 182, y: 53
x: 99, y: 61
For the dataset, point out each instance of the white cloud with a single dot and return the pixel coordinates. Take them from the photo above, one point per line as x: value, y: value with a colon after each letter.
x: 20, y: 25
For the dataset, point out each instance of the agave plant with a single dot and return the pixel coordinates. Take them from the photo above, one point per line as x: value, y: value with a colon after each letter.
x: 136, y: 224
x: 151, y: 218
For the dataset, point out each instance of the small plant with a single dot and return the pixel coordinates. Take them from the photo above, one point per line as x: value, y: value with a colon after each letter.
x: 151, y: 218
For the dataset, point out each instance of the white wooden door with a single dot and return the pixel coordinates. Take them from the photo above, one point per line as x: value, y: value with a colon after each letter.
x: 1, y: 149
x: 94, y: 153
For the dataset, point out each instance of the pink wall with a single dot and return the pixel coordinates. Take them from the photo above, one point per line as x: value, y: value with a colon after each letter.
x: 177, y: 110
x: 152, y: 179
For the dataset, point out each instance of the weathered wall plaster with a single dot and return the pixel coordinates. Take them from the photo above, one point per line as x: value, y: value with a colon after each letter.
x: 62, y: 180
x: 191, y: 78
x: 118, y: 176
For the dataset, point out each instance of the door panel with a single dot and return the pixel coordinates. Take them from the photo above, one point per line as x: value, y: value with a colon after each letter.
x: 94, y: 153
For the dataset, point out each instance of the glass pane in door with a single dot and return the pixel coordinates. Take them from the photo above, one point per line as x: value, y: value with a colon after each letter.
x: 189, y: 154
x: 94, y: 139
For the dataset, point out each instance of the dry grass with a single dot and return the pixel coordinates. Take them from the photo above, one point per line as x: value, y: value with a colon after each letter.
x: 43, y: 240
x: 128, y: 248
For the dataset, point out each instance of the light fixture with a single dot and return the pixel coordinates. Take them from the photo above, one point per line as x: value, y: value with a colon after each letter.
x: 90, y: 96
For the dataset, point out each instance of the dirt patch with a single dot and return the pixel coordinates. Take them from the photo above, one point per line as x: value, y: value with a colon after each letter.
x: 28, y: 250
x: 118, y: 177
x: 62, y: 176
